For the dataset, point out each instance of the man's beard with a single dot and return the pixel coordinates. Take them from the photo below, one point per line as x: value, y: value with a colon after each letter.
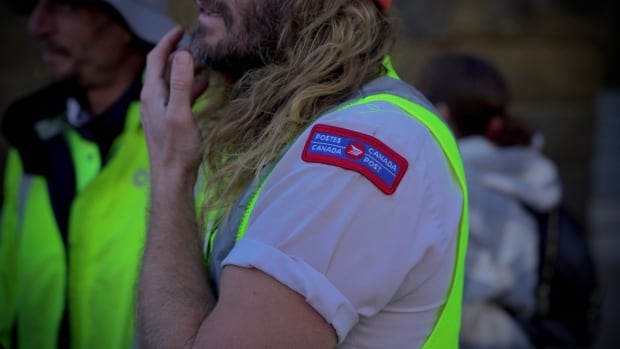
x: 255, y: 46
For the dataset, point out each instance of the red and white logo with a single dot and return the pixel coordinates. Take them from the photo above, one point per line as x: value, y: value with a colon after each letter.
x: 355, y: 151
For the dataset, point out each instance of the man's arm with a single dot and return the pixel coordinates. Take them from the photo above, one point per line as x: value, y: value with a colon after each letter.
x: 173, y: 293
x: 176, y: 308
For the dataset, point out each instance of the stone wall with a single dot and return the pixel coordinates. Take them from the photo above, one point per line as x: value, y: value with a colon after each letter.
x: 561, y: 61
x: 551, y: 59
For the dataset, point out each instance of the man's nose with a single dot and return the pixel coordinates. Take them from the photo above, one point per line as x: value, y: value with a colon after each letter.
x: 41, y: 21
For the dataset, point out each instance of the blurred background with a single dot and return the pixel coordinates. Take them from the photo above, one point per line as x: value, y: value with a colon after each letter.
x: 560, y: 57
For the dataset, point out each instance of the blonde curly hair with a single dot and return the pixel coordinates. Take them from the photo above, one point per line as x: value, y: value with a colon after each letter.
x: 327, y: 51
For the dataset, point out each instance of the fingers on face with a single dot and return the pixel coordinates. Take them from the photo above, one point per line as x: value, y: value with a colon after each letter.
x: 158, y: 57
x: 157, y: 62
x: 181, y: 82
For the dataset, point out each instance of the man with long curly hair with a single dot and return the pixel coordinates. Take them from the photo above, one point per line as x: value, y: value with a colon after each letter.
x: 332, y: 199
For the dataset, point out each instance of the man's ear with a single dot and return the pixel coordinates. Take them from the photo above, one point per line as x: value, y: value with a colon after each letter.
x: 495, y: 128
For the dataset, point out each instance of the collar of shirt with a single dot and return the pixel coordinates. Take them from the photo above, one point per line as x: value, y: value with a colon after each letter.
x: 103, y: 129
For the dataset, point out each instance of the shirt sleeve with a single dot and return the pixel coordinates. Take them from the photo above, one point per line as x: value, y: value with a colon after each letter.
x: 333, y: 236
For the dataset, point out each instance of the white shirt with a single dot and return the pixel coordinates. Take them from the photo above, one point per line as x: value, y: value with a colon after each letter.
x: 376, y: 266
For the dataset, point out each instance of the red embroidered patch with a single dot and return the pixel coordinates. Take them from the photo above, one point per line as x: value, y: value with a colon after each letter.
x: 357, y: 152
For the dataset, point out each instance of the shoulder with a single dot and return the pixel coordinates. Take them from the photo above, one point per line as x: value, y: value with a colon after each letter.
x: 52, y: 94
x: 378, y: 135
x: 392, y: 111
x: 382, y: 120
x: 46, y: 102
x: 20, y: 120
x: 373, y: 156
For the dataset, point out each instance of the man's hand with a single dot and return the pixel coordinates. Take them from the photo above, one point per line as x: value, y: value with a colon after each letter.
x: 176, y: 307
x: 172, y: 135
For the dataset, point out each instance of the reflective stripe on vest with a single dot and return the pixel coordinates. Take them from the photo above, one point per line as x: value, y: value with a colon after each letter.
x: 445, y: 334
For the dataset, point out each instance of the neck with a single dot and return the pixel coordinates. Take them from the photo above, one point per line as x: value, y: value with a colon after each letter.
x: 102, y: 96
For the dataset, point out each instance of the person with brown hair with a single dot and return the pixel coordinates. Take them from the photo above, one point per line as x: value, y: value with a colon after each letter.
x: 507, y: 176
x: 334, y: 203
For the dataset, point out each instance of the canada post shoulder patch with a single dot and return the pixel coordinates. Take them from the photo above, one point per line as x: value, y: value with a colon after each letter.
x: 357, y: 152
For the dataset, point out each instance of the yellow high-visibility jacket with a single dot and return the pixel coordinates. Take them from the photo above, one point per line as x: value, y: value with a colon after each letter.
x: 75, y: 287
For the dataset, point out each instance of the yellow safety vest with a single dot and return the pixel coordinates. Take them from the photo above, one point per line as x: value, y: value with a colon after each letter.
x: 95, y: 273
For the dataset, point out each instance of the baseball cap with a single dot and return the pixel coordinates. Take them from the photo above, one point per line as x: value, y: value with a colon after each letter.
x: 146, y: 18
x: 384, y: 4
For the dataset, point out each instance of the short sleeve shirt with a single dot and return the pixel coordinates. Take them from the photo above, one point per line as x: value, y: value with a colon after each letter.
x: 376, y: 266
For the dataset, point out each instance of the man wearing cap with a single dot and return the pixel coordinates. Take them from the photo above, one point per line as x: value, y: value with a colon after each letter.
x: 77, y: 178
x: 335, y: 209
